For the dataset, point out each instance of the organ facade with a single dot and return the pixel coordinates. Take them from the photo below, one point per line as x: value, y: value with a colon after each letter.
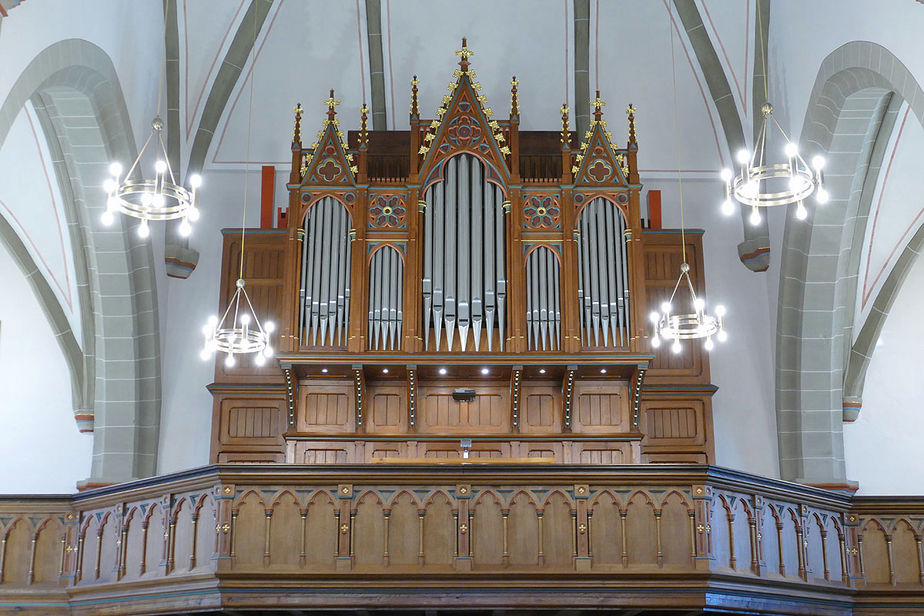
x: 463, y: 254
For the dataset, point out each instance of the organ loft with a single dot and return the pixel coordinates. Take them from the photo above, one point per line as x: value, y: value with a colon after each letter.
x: 462, y: 292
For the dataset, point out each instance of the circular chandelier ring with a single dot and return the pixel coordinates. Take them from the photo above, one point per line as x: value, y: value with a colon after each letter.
x: 769, y: 172
x: 177, y: 200
x: 690, y: 326
x: 238, y: 340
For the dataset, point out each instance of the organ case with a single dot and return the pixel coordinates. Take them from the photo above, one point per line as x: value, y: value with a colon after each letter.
x: 462, y: 253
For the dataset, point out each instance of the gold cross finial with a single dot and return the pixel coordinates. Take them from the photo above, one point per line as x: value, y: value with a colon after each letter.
x: 630, y: 109
x: 598, y: 104
x: 331, y: 103
x: 465, y: 53
x: 514, y: 81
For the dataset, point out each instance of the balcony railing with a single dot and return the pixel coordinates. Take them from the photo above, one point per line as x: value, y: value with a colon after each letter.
x: 643, y: 537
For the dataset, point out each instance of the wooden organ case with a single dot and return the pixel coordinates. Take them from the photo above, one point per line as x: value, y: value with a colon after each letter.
x: 463, y: 292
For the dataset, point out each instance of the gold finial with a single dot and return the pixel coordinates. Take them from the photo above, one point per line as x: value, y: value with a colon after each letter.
x: 630, y: 111
x: 415, y: 110
x: 598, y: 104
x: 514, y: 104
x: 564, y: 124
x: 297, y: 136
x: 363, y: 133
x: 331, y: 104
x: 465, y: 53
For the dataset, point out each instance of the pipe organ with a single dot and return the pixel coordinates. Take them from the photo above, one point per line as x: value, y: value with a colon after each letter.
x: 463, y: 255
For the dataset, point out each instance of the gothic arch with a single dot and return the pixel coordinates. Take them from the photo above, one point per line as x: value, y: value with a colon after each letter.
x: 814, y: 328
x: 76, y: 79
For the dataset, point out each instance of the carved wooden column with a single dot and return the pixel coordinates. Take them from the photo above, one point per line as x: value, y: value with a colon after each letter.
x: 224, y: 502
x: 702, y: 499
x: 413, y: 338
x: 581, y: 495
x: 344, y: 527
x: 463, y: 560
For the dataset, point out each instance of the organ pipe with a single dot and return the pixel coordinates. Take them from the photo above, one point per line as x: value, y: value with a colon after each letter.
x: 543, y: 302
x: 386, y: 282
x: 324, y: 313
x: 464, y: 284
x: 603, y: 281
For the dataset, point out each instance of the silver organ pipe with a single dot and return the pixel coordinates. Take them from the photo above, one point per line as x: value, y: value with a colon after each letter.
x: 386, y: 284
x: 464, y: 283
x: 603, y: 281
x: 324, y: 314
x: 543, y: 301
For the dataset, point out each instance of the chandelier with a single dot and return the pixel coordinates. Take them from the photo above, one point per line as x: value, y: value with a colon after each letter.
x: 158, y: 199
x: 238, y: 331
x: 690, y: 325
x: 694, y: 323
x: 161, y: 198
x: 242, y: 333
x: 761, y: 184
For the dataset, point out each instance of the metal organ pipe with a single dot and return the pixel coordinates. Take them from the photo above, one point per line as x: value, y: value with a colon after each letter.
x: 543, y: 302
x: 386, y: 282
x: 603, y: 281
x: 325, y: 282
x: 464, y: 276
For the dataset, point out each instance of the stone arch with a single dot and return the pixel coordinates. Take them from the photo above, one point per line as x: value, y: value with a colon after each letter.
x: 73, y: 80
x: 818, y: 276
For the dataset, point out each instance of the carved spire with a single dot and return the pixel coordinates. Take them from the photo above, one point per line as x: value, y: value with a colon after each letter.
x: 565, y: 140
x: 465, y: 53
x: 415, y: 109
x: 297, y: 135
x: 331, y: 104
x: 598, y: 104
x: 514, y: 103
x: 630, y: 111
x: 363, y: 133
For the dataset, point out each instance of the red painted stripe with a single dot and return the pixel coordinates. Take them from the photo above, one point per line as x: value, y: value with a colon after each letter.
x: 267, y: 190
x: 654, y: 209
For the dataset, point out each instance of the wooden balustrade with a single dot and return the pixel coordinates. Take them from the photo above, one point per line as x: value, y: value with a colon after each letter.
x: 463, y: 534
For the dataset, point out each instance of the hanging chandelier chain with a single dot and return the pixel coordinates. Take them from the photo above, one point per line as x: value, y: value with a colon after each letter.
x: 683, y: 239
x: 253, y: 78
x: 763, y: 51
x: 162, y: 76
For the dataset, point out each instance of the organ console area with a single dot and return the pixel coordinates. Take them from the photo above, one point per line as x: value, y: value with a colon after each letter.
x: 462, y: 292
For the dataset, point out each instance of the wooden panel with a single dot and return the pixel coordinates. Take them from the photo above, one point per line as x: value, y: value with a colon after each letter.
x: 388, y: 406
x: 489, y: 412
x: 251, y: 421
x: 601, y: 406
x: 541, y: 411
x: 590, y: 455
x: 673, y: 424
x: 326, y: 407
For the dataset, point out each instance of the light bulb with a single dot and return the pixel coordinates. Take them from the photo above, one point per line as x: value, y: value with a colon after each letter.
x: 146, y: 199
x: 143, y: 229
x: 205, y: 354
x: 722, y: 336
x: 728, y: 208
x: 821, y: 196
x: 213, y: 321
x: 726, y: 174
x: 699, y: 303
x: 541, y: 370
x: 158, y: 200
x: 185, y: 228
x: 107, y: 218
x: 245, y: 319
x: 112, y: 203
x: 818, y: 162
x: 195, y: 180
x: 269, y: 327
x: 755, y: 217
x: 442, y: 370
x: 602, y: 370
x: 676, y: 348
x: 259, y: 359
x: 665, y: 307
x: 229, y: 360
x: 791, y: 149
x: 208, y: 329
x: 743, y: 156
x: 109, y: 185
x: 654, y: 317
x: 324, y: 370
x: 384, y: 370
x: 193, y: 214
x: 484, y: 371
x: 160, y: 166
x: 268, y: 351
x: 796, y: 183
x: 115, y: 169
x: 801, y: 212
x: 655, y: 342
x: 708, y: 344
x: 720, y: 311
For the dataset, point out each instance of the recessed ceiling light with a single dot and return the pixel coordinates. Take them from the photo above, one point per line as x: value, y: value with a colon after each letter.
x: 324, y: 370
x: 484, y: 371
x: 541, y: 370
x: 442, y: 370
x: 602, y: 370
x: 384, y: 370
